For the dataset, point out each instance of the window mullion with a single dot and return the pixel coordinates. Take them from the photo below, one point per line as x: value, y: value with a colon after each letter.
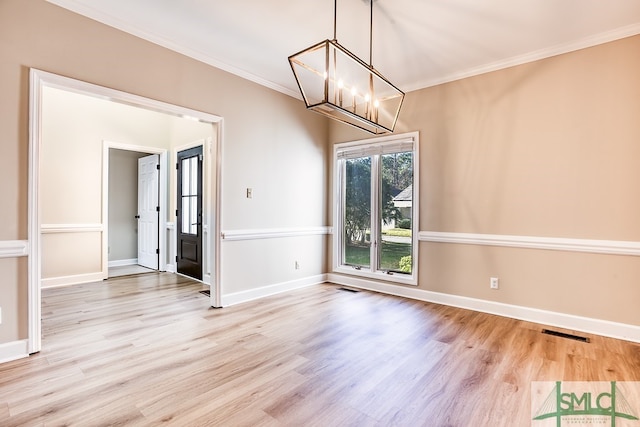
x: 375, y: 212
x: 343, y: 202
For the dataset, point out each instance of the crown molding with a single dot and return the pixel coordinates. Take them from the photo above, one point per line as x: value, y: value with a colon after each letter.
x: 118, y: 24
x: 112, y: 21
x: 586, y: 42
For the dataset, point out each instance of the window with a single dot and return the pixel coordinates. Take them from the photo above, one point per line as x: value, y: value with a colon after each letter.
x: 377, y: 206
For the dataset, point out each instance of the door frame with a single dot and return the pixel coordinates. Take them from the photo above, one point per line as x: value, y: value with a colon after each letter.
x: 39, y: 79
x: 163, y: 200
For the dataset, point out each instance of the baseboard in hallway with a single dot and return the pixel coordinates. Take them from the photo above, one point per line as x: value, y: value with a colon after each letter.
x: 127, y: 270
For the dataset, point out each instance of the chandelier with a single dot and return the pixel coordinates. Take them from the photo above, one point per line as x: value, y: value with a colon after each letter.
x: 336, y: 83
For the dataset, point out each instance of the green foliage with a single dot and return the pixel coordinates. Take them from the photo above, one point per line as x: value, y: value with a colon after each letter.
x: 405, y: 264
x: 396, y: 175
x: 357, y: 215
x: 404, y: 223
x: 397, y: 170
x: 391, y: 255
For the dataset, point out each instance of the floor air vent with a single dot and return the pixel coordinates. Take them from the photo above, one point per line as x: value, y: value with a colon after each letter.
x: 348, y: 290
x: 207, y: 293
x: 563, y: 335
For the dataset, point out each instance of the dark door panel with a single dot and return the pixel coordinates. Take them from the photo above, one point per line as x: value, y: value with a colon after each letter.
x: 189, y: 213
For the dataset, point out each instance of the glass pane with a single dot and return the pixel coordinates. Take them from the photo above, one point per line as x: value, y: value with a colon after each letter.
x: 396, y: 192
x: 357, y: 212
x: 185, y: 214
x: 194, y: 215
x: 185, y: 177
x: 194, y: 176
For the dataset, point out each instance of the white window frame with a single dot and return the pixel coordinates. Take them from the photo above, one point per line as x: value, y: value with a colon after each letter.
x: 373, y: 146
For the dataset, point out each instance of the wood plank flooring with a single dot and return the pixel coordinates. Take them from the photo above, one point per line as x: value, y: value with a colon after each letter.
x: 148, y: 350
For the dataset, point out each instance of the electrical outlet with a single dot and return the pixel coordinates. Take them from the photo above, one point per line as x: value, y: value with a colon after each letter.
x: 493, y: 283
x: 297, y: 265
x: 249, y: 193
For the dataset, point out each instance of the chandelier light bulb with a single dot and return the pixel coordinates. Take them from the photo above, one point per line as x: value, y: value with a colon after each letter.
x: 376, y: 104
x: 354, y: 92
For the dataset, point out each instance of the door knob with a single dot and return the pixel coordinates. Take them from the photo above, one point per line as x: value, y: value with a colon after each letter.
x: 137, y: 216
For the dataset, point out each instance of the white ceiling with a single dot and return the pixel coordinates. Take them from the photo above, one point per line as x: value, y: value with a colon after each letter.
x: 416, y: 43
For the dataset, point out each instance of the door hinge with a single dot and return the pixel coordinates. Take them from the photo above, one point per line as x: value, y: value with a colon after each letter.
x: 158, y: 166
x: 177, y: 166
x: 157, y: 208
x: 158, y: 251
x: 176, y: 258
x: 177, y: 212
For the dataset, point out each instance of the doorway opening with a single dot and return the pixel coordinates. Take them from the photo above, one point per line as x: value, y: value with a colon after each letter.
x: 133, y: 188
x: 91, y: 228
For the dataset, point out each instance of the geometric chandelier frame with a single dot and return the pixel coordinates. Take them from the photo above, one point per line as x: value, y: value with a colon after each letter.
x: 336, y: 83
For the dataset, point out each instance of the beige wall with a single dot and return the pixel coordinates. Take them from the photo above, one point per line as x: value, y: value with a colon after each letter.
x: 265, y: 132
x: 548, y: 149
x: 74, y: 128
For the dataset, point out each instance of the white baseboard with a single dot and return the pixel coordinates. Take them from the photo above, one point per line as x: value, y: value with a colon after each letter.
x: 123, y: 262
x: 265, y: 291
x: 55, y: 282
x: 206, y: 279
x: 170, y: 268
x: 13, y: 350
x: 606, y: 328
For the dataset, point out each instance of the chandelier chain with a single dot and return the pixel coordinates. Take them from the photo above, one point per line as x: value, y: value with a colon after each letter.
x: 371, y: 36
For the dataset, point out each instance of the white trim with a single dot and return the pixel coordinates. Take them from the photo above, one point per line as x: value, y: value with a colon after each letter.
x: 13, y: 350
x: 161, y: 41
x: 55, y: 282
x: 216, y: 292
x: 265, y: 291
x: 611, y: 247
x: 566, y: 321
x: 13, y: 248
x: 71, y: 228
x: 123, y: 262
x: 36, y: 83
x: 586, y: 42
x: 274, y: 233
x: 374, y: 146
x: 403, y: 279
x: 170, y: 266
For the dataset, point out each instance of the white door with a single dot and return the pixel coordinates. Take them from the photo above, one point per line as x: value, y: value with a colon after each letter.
x: 148, y: 211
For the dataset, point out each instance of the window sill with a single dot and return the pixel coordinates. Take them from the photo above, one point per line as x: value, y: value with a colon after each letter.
x: 403, y: 279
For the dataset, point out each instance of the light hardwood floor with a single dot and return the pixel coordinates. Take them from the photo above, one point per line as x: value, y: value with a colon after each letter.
x: 148, y: 350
